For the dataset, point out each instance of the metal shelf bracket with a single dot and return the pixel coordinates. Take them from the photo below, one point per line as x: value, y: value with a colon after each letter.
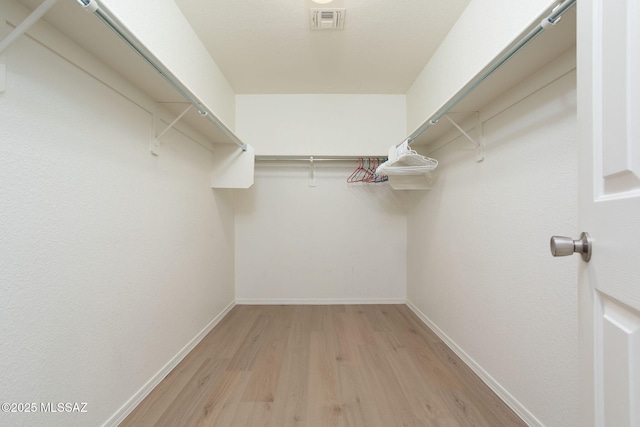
x: 154, y: 146
x: 17, y: 32
x: 27, y: 23
x: 477, y: 142
x: 121, y: 30
x: 312, y: 172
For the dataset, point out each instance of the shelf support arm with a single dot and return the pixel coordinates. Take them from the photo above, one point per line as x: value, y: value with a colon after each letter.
x: 154, y: 144
x: 121, y: 30
x: 312, y: 172
x: 549, y: 21
x: 479, y: 143
x: 177, y: 119
x: 27, y: 23
x: 17, y: 32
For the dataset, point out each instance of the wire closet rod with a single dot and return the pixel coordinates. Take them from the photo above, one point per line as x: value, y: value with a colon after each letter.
x: 314, y: 158
x: 555, y: 15
x: 92, y: 6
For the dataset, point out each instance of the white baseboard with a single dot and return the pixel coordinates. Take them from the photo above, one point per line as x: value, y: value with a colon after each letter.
x: 318, y: 301
x: 502, y: 393
x: 131, y: 404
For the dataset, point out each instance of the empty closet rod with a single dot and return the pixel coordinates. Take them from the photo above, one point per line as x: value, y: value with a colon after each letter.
x: 555, y: 15
x: 92, y: 6
x: 314, y: 158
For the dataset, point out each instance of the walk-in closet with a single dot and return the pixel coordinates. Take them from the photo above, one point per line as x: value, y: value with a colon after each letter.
x: 319, y: 213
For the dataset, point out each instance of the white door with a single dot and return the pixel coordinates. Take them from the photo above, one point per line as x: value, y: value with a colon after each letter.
x: 609, y: 203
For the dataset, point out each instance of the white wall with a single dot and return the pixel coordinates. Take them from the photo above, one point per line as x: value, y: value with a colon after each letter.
x: 349, y: 125
x: 484, y: 30
x: 333, y: 243
x: 165, y: 32
x: 111, y: 260
x: 479, y: 266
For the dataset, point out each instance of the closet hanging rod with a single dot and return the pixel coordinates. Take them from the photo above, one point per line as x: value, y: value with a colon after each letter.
x: 314, y: 158
x: 550, y: 20
x: 129, y: 39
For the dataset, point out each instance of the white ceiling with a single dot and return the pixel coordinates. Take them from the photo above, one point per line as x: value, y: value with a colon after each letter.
x: 267, y: 46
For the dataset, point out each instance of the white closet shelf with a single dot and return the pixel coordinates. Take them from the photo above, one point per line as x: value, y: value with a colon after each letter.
x: 542, y: 50
x: 70, y: 19
x: 154, y: 83
x: 166, y: 72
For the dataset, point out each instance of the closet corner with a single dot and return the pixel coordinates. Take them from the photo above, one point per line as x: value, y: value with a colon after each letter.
x: 233, y: 167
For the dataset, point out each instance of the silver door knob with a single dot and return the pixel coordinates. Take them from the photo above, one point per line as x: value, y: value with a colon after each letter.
x: 563, y: 246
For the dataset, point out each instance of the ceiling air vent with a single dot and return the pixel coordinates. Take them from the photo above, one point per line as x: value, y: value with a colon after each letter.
x: 327, y: 19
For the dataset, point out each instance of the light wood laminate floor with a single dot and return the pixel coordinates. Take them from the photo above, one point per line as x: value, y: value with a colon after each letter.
x: 354, y: 365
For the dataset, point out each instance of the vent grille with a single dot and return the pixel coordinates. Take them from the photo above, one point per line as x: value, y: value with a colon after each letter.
x: 327, y: 19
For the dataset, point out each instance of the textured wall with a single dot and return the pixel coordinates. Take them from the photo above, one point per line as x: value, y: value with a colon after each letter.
x: 479, y: 263
x: 165, y: 32
x: 335, y: 242
x: 350, y: 125
x: 111, y: 259
x: 485, y: 29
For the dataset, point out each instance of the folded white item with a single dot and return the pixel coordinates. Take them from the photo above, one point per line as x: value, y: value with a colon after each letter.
x: 407, y: 163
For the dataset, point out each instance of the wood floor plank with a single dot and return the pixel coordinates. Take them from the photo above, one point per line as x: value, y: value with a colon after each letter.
x: 301, y: 327
x: 252, y: 414
x: 416, y: 325
x: 390, y: 392
x: 290, y: 402
x: 266, y: 369
x: 319, y: 317
x: 149, y: 411
x: 462, y: 408
x: 377, y: 317
x: 229, y: 409
x: 222, y: 404
x: 490, y: 406
x: 347, y: 346
x: 293, y: 366
x: 361, y: 326
x: 245, y: 355
x: 358, y: 403
x: 438, y: 374
x: 193, y: 397
x: 424, y: 401
x: 324, y: 403
x: 231, y: 331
